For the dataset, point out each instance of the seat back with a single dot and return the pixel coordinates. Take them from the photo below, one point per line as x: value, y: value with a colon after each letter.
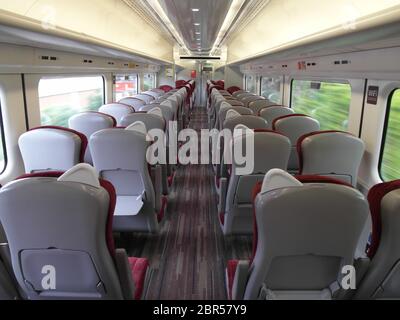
x: 250, y: 121
x: 166, y: 88
x: 257, y: 105
x: 147, y: 98
x: 117, y: 110
x: 225, y: 107
x: 233, y: 89
x: 151, y: 121
x: 247, y: 100
x: 244, y: 95
x: 331, y: 153
x: 383, y: 276
x: 294, y: 126
x: 154, y: 94
x: 167, y: 112
x: 300, y: 251
x: 66, y: 251
x: 134, y: 102
x: 238, y: 92
x: 120, y: 157
x: 50, y: 148
x: 89, y: 123
x: 273, y: 112
x: 271, y: 150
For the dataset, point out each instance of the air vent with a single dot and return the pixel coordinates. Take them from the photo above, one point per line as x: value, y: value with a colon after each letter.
x: 87, y: 61
x: 111, y: 63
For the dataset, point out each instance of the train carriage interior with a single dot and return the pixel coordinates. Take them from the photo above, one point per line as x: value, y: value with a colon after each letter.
x: 211, y: 150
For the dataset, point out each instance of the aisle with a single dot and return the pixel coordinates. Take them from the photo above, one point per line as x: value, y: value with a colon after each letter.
x: 189, y: 255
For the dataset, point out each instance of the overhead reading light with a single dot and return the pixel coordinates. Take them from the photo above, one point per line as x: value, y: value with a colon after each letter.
x: 196, y: 24
x: 198, y: 32
x: 230, y: 16
x: 195, y: 10
x: 198, y: 39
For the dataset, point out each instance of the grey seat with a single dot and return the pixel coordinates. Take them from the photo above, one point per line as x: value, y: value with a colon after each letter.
x: 117, y: 110
x: 250, y: 121
x: 271, y: 150
x: 151, y: 121
x: 147, y: 98
x: 50, y: 148
x: 89, y: 123
x: 167, y: 112
x: 331, y: 153
x: 154, y: 94
x: 224, y: 108
x: 119, y: 156
x: 247, y: 100
x: 294, y: 126
x: 60, y: 238
x: 383, y: 275
x: 134, y: 102
x: 274, y: 112
x: 305, y: 235
x: 235, y: 103
x: 257, y: 105
x: 236, y: 93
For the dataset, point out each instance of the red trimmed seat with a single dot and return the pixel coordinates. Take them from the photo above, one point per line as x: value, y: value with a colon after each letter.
x: 333, y: 153
x: 294, y: 126
x: 381, y: 280
x: 75, y: 224
x: 166, y: 88
x: 233, y: 89
x: 249, y: 276
x: 50, y: 148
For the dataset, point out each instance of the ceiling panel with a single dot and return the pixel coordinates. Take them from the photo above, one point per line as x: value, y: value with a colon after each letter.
x: 211, y: 16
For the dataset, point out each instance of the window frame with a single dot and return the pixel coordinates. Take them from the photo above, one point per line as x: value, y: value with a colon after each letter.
x: 64, y: 76
x: 3, y: 140
x: 385, y: 131
x: 246, y: 83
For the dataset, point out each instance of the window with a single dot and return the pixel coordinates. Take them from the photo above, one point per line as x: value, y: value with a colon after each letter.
x: 390, y: 156
x: 149, y: 81
x: 3, y: 158
x: 251, y: 85
x: 61, y: 98
x: 125, y: 86
x: 328, y: 102
x: 271, y: 89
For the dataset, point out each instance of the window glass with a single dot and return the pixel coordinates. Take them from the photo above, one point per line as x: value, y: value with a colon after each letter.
x: 149, y: 81
x: 251, y: 84
x: 125, y: 86
x: 390, y: 163
x: 271, y: 89
x: 328, y: 102
x: 61, y: 98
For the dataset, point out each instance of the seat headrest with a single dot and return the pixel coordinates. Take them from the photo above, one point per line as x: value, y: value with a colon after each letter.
x: 81, y: 173
x: 277, y: 178
x: 232, y: 114
x: 157, y: 111
x: 137, y: 126
x: 241, y: 130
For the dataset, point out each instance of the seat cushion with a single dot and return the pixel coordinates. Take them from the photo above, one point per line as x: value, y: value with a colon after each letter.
x: 230, y: 271
x: 139, y: 268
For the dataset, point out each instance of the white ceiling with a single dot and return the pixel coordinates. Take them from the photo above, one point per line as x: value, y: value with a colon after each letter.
x: 210, y: 18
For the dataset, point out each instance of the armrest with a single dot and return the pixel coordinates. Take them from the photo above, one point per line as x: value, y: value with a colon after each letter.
x: 240, y: 280
x: 223, y: 185
x: 124, y: 274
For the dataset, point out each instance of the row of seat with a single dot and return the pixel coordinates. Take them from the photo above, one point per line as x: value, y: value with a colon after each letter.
x: 126, y: 201
x: 309, y: 236
x: 294, y: 144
